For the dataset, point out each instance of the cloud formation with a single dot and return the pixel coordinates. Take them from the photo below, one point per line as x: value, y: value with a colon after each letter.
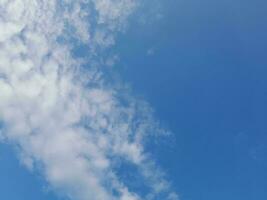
x: 65, y: 120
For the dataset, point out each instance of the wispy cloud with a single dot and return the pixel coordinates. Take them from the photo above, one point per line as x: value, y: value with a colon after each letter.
x: 71, y: 126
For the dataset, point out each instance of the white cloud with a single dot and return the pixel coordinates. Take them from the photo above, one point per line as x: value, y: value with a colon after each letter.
x: 69, y: 125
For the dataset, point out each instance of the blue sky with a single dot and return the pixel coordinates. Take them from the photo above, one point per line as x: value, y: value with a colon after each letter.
x: 202, y: 68
x: 207, y: 82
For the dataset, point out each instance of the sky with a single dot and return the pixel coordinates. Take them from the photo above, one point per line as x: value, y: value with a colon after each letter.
x: 167, y: 93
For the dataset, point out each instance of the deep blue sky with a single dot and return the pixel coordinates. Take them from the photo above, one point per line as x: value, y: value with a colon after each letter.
x: 207, y: 82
